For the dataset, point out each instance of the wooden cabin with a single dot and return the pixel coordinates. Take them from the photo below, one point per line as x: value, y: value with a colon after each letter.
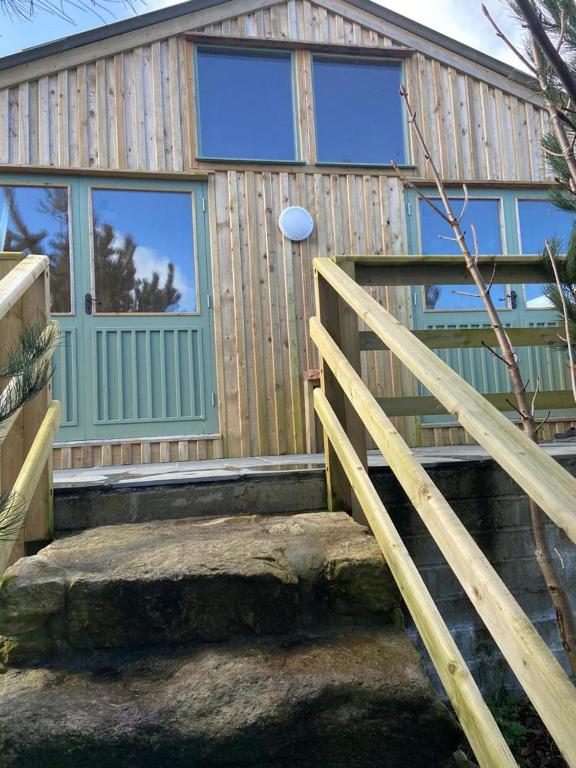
x: 151, y: 159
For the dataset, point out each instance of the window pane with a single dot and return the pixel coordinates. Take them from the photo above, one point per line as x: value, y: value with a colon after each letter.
x: 35, y: 220
x: 143, y: 251
x: 484, y: 215
x: 245, y: 105
x: 540, y: 221
x: 358, y: 112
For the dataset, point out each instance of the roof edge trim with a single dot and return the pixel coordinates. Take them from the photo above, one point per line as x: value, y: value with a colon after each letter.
x: 135, y: 23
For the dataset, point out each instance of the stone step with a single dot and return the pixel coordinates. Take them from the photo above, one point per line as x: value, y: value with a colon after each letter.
x: 353, y: 699
x: 172, y: 495
x: 191, y: 580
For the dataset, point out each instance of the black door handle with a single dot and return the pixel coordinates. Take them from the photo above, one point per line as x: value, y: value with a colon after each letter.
x: 89, y: 303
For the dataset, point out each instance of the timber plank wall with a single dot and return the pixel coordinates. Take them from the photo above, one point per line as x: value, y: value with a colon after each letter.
x: 127, y: 104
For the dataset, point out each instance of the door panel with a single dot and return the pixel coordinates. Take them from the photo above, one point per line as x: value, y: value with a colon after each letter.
x: 148, y: 324
x: 130, y: 278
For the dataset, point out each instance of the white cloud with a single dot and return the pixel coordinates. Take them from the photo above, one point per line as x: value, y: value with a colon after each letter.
x: 147, y: 261
x: 463, y: 20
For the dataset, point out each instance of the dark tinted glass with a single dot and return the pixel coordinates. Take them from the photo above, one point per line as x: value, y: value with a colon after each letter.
x: 245, y: 105
x: 358, y: 112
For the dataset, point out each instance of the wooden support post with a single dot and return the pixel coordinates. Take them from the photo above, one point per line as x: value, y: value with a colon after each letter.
x: 342, y: 324
x: 311, y: 381
x: 350, y: 346
x: 38, y: 528
x: 339, y: 490
x: 12, y: 451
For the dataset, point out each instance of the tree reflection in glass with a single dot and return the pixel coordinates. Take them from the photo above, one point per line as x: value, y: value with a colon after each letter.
x: 38, y: 224
x: 437, y: 239
x: 143, y: 251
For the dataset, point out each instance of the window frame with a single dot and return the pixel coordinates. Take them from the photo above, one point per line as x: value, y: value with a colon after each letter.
x: 510, y: 233
x: 407, y: 161
x: 101, y: 185
x: 8, y: 180
x: 478, y: 195
x: 538, y: 196
x: 296, y: 128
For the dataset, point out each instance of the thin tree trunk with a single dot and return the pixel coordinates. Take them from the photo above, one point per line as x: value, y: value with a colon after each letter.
x: 564, y: 613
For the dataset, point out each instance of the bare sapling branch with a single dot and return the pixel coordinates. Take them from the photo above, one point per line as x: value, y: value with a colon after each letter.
x: 522, y: 406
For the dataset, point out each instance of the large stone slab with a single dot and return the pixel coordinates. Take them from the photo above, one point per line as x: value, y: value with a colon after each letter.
x: 357, y: 699
x: 209, y: 579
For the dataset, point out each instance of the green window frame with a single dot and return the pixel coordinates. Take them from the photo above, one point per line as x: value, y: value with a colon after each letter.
x: 406, y: 149
x: 292, y: 116
x: 509, y: 225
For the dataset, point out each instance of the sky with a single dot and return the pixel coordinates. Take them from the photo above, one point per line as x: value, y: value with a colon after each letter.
x: 460, y: 19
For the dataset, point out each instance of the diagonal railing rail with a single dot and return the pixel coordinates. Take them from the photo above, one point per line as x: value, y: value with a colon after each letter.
x: 347, y: 410
x: 26, y: 437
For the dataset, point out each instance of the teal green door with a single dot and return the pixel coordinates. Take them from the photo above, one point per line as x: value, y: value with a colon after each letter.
x: 130, y: 276
x: 505, y: 223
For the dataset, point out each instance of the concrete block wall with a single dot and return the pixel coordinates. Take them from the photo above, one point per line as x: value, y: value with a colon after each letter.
x: 495, y: 511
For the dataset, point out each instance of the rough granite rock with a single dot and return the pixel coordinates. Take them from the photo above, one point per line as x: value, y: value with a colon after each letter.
x: 357, y: 699
x: 191, y: 580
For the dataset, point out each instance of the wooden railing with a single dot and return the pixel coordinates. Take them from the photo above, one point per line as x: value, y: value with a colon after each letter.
x: 347, y: 410
x: 26, y: 437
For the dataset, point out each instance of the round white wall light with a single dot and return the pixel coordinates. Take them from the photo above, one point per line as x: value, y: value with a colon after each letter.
x: 295, y: 223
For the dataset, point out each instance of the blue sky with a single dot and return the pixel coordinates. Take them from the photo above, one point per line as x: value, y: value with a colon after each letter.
x: 460, y: 19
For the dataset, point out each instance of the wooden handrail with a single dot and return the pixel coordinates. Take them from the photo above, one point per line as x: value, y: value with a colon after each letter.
x: 26, y: 436
x: 341, y: 302
x: 19, y: 280
x: 542, y: 677
x: 473, y: 338
x: 477, y: 720
x: 27, y: 480
x: 543, y: 479
x: 449, y: 269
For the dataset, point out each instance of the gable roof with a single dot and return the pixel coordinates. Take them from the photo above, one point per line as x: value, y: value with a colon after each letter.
x: 191, y: 6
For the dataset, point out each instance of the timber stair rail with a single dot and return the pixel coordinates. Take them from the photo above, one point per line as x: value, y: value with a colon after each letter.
x: 26, y: 437
x: 347, y: 409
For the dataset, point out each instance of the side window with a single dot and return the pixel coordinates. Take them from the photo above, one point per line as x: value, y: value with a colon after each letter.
x: 539, y: 220
x: 435, y: 234
x: 245, y: 105
x: 358, y: 111
x: 35, y: 219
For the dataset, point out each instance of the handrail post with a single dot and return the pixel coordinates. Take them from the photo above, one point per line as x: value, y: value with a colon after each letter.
x: 341, y: 322
x: 12, y: 451
x: 38, y: 526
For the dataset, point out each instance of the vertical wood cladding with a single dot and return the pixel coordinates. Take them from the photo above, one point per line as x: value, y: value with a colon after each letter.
x: 134, y: 111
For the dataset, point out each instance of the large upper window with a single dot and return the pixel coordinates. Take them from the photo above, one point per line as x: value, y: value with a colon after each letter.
x: 35, y: 220
x: 246, y: 105
x: 358, y: 111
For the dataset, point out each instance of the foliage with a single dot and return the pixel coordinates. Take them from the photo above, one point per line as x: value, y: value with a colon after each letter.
x: 26, y: 10
x: 506, y: 706
x: 27, y: 369
x: 119, y: 288
x: 19, y: 237
x: 558, y: 20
